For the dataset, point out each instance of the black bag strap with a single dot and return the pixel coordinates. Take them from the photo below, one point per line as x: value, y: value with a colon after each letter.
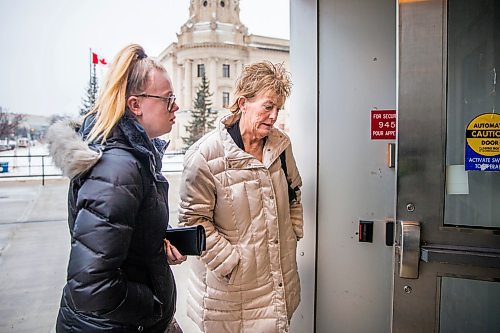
x: 291, y: 192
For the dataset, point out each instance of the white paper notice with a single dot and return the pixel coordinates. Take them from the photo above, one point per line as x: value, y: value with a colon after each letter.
x: 457, y: 179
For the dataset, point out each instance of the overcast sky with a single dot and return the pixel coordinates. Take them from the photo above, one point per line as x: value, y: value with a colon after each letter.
x: 44, y: 44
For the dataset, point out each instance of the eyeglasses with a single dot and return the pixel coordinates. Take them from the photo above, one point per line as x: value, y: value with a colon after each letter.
x: 170, y: 100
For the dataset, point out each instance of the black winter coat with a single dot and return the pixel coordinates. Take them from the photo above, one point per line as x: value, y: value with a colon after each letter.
x: 118, y: 277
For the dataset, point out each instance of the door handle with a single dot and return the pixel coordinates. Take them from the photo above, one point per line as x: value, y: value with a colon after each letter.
x: 409, y: 249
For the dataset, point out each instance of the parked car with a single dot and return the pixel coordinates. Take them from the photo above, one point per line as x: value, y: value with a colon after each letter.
x: 23, y: 142
x: 6, y: 144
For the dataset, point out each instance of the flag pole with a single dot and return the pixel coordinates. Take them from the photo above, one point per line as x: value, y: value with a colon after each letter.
x: 90, y: 64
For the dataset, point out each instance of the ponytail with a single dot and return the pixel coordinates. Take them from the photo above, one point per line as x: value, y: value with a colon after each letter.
x: 127, y: 75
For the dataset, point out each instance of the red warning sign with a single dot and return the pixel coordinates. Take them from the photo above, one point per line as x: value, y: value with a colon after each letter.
x: 383, y: 124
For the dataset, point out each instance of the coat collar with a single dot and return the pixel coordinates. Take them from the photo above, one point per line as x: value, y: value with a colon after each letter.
x: 74, y: 155
x: 137, y: 138
x: 276, y: 143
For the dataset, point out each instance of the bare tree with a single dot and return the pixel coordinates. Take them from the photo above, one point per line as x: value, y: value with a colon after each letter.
x: 57, y: 117
x: 9, y: 122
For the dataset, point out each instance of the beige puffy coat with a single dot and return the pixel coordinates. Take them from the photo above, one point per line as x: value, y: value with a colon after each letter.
x: 247, y: 279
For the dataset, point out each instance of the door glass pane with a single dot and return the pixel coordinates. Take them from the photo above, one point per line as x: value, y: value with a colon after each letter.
x: 469, y: 306
x: 472, y: 89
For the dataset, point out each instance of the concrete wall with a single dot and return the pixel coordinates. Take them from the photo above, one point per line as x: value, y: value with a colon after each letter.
x: 303, y: 122
x: 344, y: 65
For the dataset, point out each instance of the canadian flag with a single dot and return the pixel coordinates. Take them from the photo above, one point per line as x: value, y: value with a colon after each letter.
x: 96, y: 60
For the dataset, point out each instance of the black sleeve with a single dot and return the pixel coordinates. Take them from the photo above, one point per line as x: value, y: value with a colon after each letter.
x: 107, y: 203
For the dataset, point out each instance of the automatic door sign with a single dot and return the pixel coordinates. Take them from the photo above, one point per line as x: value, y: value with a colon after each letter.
x: 482, y: 147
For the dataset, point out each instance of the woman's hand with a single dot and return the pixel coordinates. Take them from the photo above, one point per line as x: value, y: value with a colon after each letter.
x: 174, y: 257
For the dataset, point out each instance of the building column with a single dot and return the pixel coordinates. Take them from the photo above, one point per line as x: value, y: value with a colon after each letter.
x: 213, y: 82
x: 178, y: 86
x: 238, y: 67
x: 172, y: 71
x: 188, y: 83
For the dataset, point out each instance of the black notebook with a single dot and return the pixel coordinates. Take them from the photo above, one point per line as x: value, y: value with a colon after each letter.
x: 188, y: 240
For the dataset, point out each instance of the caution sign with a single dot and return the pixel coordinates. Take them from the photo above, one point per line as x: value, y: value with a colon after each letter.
x: 482, y: 147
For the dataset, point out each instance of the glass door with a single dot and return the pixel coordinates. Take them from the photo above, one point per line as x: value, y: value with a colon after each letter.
x: 447, y: 244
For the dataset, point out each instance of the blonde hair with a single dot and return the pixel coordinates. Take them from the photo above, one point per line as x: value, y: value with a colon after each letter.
x: 128, y: 75
x: 259, y: 77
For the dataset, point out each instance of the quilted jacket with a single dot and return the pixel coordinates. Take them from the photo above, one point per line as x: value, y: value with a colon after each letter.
x: 118, y: 277
x: 247, y: 279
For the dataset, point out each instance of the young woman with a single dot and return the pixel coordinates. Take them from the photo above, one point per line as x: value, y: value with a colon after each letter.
x: 119, y: 279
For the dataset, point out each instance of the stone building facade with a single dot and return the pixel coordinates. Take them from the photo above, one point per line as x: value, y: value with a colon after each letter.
x: 215, y: 43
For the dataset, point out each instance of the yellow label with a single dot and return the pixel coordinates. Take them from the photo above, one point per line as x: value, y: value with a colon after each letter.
x: 483, y: 134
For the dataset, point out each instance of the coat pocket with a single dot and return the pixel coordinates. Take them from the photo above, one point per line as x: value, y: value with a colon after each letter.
x: 233, y: 277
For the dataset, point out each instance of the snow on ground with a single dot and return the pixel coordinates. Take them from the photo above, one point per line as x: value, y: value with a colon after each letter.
x: 35, y: 160
x: 30, y: 161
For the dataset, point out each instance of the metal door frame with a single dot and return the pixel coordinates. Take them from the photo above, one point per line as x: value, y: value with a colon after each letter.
x: 420, y: 179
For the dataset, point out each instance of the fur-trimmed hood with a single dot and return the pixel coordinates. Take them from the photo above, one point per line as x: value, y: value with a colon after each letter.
x: 68, y: 150
x: 73, y: 155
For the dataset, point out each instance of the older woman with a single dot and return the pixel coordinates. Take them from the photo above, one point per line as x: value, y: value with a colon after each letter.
x: 236, y: 184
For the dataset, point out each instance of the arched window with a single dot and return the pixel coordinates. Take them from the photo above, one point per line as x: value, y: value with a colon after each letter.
x: 222, y: 4
x: 205, y: 3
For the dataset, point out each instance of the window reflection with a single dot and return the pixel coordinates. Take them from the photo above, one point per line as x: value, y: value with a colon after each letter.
x: 469, y: 306
x: 473, y: 67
